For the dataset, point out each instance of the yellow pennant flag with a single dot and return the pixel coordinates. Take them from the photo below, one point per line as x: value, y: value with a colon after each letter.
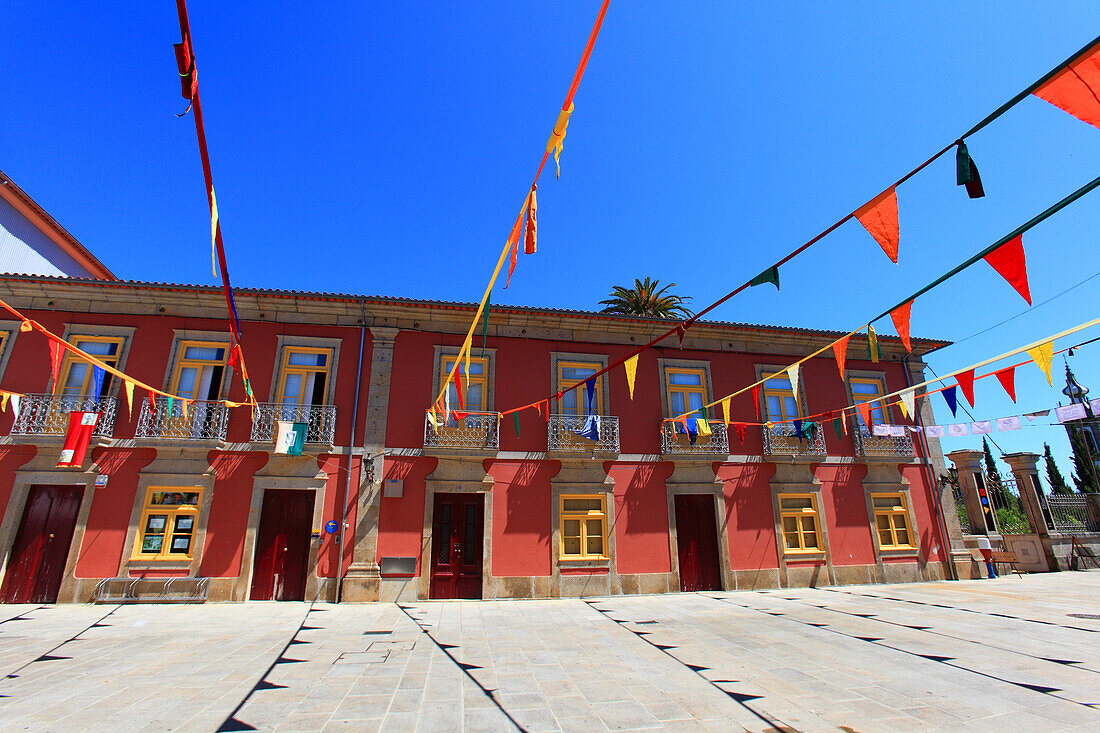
x: 703, y: 426
x: 631, y: 366
x: 4, y: 402
x: 1043, y: 355
x: 467, y: 347
x: 726, y: 409
x: 129, y: 397
x: 25, y: 326
x: 557, y: 137
x: 213, y: 231
x: 184, y: 403
x: 872, y: 343
x: 231, y: 403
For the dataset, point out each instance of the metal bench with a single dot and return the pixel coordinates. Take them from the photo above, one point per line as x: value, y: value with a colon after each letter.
x: 151, y: 590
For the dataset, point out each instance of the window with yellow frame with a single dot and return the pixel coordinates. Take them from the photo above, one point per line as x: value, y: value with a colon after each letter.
x: 892, y: 521
x: 687, y: 390
x: 780, y: 400
x: 869, y: 389
x: 200, y: 366
x: 168, y: 522
x: 575, y: 401
x: 77, y: 376
x: 584, y: 527
x: 303, y: 376
x: 475, y: 389
x: 800, y: 522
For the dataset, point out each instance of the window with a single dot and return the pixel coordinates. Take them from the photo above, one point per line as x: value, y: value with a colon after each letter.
x: 892, y: 521
x: 780, y: 400
x: 687, y: 391
x: 199, y: 370
x: 167, y: 529
x: 584, y: 527
x: 798, y: 515
x: 575, y: 402
x: 474, y: 390
x: 304, y: 376
x: 869, y: 389
x: 77, y: 377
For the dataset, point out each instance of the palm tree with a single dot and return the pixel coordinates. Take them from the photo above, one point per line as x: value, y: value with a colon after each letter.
x: 644, y: 299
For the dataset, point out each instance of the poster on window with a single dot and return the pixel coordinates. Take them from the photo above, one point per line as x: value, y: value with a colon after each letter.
x: 152, y: 543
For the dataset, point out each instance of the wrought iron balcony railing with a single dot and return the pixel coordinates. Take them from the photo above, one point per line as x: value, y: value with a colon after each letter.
x: 781, y: 440
x: 320, y: 421
x: 562, y: 434
x: 472, y: 431
x: 870, y: 445
x: 202, y: 421
x: 48, y: 414
x: 675, y: 439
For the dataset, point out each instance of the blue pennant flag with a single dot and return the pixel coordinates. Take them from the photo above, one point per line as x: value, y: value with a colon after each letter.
x: 590, y: 429
x: 798, y: 430
x: 97, y: 378
x: 591, y: 385
x: 951, y: 399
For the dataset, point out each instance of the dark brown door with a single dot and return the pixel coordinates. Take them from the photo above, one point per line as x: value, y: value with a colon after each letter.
x: 456, y: 546
x: 697, y: 538
x: 282, y: 546
x: 41, y: 546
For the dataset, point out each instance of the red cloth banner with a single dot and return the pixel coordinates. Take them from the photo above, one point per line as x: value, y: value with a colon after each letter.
x: 840, y: 349
x: 1007, y: 378
x: 879, y: 217
x: 1008, y: 260
x: 1076, y: 89
x: 966, y: 381
x: 81, y: 427
x: 900, y: 317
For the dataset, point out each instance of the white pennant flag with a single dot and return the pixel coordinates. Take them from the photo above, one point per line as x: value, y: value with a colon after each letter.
x: 958, y: 430
x: 15, y: 405
x: 792, y: 375
x: 981, y: 427
x: 909, y: 403
x: 935, y: 431
x: 1008, y: 423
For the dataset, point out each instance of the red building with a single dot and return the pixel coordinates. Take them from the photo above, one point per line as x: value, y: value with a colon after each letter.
x: 469, y: 508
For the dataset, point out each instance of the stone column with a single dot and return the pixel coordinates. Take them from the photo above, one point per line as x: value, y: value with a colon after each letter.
x: 361, y: 583
x: 969, y: 463
x: 1024, y: 470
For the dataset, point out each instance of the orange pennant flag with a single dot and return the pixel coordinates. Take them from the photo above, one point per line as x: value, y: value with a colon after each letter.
x: 1008, y: 260
x: 529, y: 241
x: 513, y: 238
x: 865, y: 412
x: 966, y: 381
x: 879, y: 217
x: 900, y: 316
x: 840, y: 349
x: 55, y: 362
x: 1075, y: 88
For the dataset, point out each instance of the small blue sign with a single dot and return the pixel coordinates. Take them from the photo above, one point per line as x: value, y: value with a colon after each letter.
x: 331, y: 526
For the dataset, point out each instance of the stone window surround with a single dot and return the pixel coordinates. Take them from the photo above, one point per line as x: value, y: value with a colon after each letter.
x: 126, y: 333
x: 601, y: 359
x: 575, y: 489
x: 179, y: 335
x: 880, y: 552
x: 664, y: 364
x: 203, y: 482
x: 864, y: 374
x: 12, y: 329
x: 770, y: 370
x: 490, y: 363
x: 814, y: 489
x: 307, y: 342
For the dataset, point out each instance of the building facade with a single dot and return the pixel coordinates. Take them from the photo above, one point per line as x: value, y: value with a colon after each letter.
x: 387, y: 503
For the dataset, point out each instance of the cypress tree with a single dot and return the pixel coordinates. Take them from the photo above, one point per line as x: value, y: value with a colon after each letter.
x: 1057, y: 482
x: 1082, y: 466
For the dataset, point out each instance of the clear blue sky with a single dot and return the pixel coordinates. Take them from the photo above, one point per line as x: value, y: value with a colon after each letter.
x: 385, y: 149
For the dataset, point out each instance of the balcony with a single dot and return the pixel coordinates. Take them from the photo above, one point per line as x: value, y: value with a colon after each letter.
x: 675, y: 441
x: 203, y: 421
x: 320, y: 421
x: 47, y: 414
x: 474, y: 431
x: 562, y: 435
x: 781, y: 440
x: 870, y: 445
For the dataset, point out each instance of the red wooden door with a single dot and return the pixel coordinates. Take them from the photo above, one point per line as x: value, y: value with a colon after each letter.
x: 282, y: 546
x: 37, y: 561
x: 697, y: 539
x: 457, y: 528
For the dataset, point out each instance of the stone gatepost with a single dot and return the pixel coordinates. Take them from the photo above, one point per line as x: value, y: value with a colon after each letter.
x: 362, y: 581
x: 1024, y: 470
x: 971, y: 479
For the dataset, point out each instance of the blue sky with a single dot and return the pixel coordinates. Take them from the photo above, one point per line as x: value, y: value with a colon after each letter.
x: 385, y: 149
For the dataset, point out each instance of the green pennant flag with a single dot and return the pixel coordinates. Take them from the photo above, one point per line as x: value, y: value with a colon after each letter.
x: 485, y: 336
x: 770, y: 275
x: 837, y: 427
x: 703, y: 412
x: 515, y: 422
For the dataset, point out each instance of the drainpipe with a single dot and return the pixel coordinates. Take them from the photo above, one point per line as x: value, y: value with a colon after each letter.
x: 933, y: 482
x: 351, y: 455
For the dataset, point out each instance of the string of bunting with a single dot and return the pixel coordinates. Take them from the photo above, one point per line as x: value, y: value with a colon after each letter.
x: 879, y: 216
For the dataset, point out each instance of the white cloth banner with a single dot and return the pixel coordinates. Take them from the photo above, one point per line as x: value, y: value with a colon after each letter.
x: 981, y: 427
x: 935, y: 431
x: 1033, y: 416
x: 957, y: 430
x: 881, y: 430
x: 1076, y: 411
x: 897, y: 431
x: 1008, y: 423
x: 914, y: 428
x: 1095, y: 405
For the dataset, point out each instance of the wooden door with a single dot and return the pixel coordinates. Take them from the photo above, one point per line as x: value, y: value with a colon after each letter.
x: 37, y: 561
x: 697, y: 541
x: 282, y: 546
x: 457, y: 527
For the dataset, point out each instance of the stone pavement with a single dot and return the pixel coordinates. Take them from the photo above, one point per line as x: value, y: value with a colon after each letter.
x: 997, y: 655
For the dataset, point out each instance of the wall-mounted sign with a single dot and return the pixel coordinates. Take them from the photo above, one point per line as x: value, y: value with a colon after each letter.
x: 393, y: 488
x: 101, y: 481
x: 331, y: 526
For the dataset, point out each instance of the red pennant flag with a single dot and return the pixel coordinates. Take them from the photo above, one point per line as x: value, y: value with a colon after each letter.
x: 756, y: 400
x: 81, y: 427
x: 900, y: 316
x: 1075, y: 89
x: 740, y: 428
x: 459, y: 416
x: 458, y: 388
x: 840, y: 349
x: 513, y: 238
x: 966, y: 381
x: 55, y: 361
x: 544, y: 410
x: 529, y: 243
x: 1008, y: 261
x: 865, y: 412
x: 879, y: 217
x: 1007, y: 378
x: 152, y: 401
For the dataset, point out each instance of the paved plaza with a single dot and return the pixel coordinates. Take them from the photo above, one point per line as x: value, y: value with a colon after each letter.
x: 1001, y: 655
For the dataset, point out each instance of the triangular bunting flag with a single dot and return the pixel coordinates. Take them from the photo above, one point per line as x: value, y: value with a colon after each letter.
x: 900, y: 317
x: 951, y: 399
x: 909, y: 403
x: 966, y: 381
x: 513, y: 240
x: 726, y: 410
x: 26, y: 326
x: 840, y: 350
x: 97, y: 381
x: 874, y: 351
x: 837, y: 423
x: 15, y: 405
x: 485, y: 328
x: 1043, y: 355
x: 792, y: 376
x: 1075, y: 88
x: 515, y: 422
x: 152, y: 401
x: 798, y: 429
x: 1007, y: 378
x: 966, y: 173
x: 770, y: 275
x: 1009, y: 262
x: 129, y: 387
x: 458, y: 390
x: 739, y: 428
x: 631, y: 368
x: 865, y: 412
x: 3, y: 402
x: 879, y: 217
x: 55, y: 363
x: 213, y: 232
x: 756, y: 400
x: 702, y: 427
x: 557, y: 137
x: 529, y: 241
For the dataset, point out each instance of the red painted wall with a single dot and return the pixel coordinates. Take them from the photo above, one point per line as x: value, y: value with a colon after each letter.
x: 642, y: 542
x: 844, y: 510
x: 521, y: 516
x: 12, y: 457
x: 109, y: 519
x: 401, y: 519
x: 750, y: 522
x: 928, y: 527
x: 228, y: 518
